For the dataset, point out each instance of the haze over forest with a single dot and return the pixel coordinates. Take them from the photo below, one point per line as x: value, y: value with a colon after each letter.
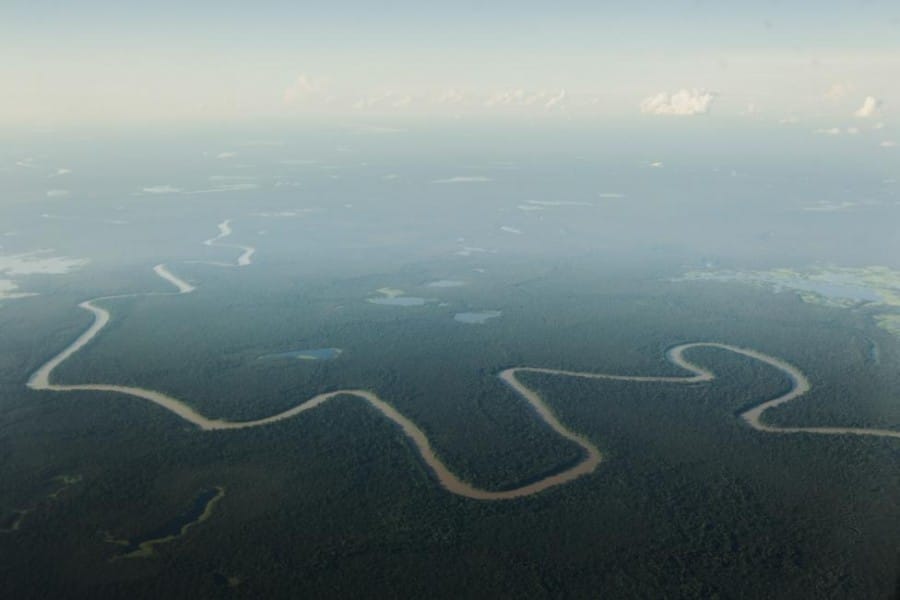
x: 450, y: 301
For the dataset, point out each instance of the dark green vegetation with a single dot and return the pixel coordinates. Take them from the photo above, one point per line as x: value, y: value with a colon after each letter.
x: 200, y: 506
x: 689, y: 502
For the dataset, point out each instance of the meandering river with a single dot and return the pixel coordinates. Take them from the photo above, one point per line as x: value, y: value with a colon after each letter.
x: 41, y: 380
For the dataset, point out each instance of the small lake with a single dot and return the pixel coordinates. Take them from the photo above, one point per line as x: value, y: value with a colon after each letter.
x: 394, y: 297
x: 398, y: 301
x: 477, y: 318
x: 834, y: 289
x: 308, y: 354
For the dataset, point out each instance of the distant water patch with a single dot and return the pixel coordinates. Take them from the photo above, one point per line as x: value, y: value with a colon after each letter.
x: 308, y: 354
x: 446, y: 283
x: 469, y: 251
x: 545, y: 203
x: 395, y: 297
x: 463, y: 179
x: 41, y: 262
x: 877, y: 287
x: 477, y: 317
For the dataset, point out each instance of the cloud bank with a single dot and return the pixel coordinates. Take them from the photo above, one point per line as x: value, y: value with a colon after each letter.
x: 681, y: 103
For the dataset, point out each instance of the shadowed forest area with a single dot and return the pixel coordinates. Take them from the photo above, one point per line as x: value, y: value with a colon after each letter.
x: 688, y: 501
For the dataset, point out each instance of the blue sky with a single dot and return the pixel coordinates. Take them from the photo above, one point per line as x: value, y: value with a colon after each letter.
x: 150, y: 60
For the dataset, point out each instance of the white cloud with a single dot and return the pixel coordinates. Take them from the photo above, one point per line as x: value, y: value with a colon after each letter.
x: 384, y: 100
x: 829, y: 131
x: 870, y: 107
x: 60, y: 173
x: 751, y: 111
x: 459, y: 100
x: 522, y: 98
x: 556, y: 101
x: 57, y: 193
x: 838, y: 91
x: 463, y: 179
x: 888, y: 144
x: 682, y: 103
x: 302, y: 90
x: 402, y: 101
x: 506, y: 98
x: 508, y: 229
x: 451, y: 96
x: 226, y: 155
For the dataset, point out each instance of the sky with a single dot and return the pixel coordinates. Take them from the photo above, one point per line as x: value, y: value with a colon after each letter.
x: 95, y: 61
